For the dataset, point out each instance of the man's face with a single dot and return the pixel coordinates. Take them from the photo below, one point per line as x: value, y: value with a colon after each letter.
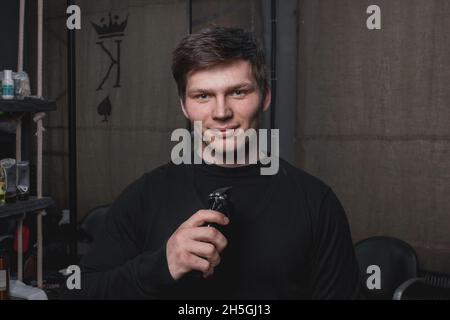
x: 224, y: 98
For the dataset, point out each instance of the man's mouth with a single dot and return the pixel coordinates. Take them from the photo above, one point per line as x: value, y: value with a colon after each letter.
x: 225, y: 131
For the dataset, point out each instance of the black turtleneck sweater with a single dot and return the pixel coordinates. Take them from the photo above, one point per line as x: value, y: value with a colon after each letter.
x: 288, y: 238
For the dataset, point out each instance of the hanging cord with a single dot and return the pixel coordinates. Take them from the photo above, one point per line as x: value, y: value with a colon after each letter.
x: 437, y: 280
x: 39, y: 133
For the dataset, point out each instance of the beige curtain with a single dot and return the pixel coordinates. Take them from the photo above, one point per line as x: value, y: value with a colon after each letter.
x: 374, y: 116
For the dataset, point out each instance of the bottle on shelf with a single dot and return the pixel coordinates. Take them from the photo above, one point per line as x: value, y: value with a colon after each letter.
x: 7, y: 85
x: 10, y: 170
x: 23, y: 180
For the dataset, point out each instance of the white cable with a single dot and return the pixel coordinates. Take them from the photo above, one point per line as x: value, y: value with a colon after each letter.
x: 40, y: 129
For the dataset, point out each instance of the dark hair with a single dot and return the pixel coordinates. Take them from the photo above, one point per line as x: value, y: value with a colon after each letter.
x: 215, y: 45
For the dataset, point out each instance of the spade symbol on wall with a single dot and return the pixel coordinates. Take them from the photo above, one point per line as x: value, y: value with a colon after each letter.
x: 104, y: 109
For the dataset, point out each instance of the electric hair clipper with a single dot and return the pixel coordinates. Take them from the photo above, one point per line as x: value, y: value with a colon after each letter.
x: 219, y: 200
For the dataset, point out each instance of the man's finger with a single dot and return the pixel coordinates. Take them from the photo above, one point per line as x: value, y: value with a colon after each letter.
x: 209, y: 234
x: 204, y: 250
x: 209, y: 272
x: 195, y: 262
x: 203, y: 216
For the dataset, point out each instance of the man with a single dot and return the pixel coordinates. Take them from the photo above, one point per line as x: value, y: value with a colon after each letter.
x: 287, y: 236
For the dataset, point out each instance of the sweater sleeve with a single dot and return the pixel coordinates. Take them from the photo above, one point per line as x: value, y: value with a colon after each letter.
x: 335, y: 271
x: 116, y: 267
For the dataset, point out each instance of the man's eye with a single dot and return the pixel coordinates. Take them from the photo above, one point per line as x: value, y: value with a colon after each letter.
x: 238, y: 93
x: 202, y: 96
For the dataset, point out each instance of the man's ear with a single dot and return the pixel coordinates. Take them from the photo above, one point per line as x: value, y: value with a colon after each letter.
x: 267, y: 99
x: 183, y: 108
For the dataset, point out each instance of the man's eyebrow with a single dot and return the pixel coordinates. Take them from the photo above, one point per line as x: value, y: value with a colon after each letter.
x: 247, y: 85
x: 243, y: 85
x: 191, y: 90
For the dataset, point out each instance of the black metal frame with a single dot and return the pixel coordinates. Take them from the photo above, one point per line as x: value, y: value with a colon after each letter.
x: 273, y: 60
x: 189, y: 31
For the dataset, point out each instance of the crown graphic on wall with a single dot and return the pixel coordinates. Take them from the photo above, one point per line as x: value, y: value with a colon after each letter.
x: 113, y: 29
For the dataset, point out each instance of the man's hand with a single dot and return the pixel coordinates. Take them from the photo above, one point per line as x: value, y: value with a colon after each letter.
x: 193, y: 247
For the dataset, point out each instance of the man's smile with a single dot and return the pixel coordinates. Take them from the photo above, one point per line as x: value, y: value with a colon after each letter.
x: 224, y: 132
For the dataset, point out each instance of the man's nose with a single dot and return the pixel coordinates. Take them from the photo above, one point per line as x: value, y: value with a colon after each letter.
x: 221, y: 109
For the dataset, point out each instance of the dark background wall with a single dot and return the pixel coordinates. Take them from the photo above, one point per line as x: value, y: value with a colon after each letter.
x: 9, y: 17
x: 9, y: 29
x: 374, y: 117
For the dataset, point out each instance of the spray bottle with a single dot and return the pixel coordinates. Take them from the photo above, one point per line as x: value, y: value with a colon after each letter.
x: 7, y: 85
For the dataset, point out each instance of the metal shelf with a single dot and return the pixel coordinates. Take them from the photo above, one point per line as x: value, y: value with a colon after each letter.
x: 20, y: 207
x: 27, y: 105
x: 35, y: 205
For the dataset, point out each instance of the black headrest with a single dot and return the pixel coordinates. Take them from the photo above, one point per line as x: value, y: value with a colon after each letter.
x: 397, y: 262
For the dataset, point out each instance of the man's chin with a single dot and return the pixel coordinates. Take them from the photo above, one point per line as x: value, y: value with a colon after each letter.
x: 223, y: 150
x: 223, y: 146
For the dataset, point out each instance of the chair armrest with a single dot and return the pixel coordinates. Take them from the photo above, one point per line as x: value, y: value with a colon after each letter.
x: 405, y: 285
x: 10, y: 236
